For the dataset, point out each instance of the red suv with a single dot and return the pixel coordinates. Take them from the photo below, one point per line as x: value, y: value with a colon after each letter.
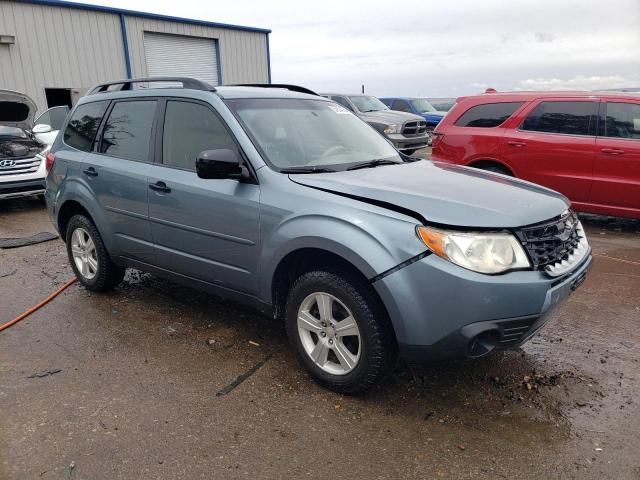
x: 585, y: 145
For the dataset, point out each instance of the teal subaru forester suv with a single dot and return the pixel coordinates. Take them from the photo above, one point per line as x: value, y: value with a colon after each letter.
x: 281, y: 199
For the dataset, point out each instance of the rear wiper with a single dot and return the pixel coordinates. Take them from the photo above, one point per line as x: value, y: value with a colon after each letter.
x: 306, y: 170
x: 373, y: 163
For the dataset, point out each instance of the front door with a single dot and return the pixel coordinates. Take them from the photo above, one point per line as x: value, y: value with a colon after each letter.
x: 554, y: 146
x: 202, y: 228
x: 617, y: 170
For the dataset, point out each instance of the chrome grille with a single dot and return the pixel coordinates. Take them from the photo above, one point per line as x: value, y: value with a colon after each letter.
x: 414, y: 129
x: 556, y: 246
x: 19, y: 166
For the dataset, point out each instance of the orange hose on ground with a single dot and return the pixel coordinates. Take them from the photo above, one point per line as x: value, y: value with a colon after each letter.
x: 39, y: 305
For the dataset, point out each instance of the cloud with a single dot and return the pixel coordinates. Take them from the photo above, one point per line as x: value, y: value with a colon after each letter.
x: 544, y: 37
x: 580, y: 82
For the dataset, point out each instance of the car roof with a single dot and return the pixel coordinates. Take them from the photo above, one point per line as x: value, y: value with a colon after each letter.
x: 534, y: 95
x: 225, y: 92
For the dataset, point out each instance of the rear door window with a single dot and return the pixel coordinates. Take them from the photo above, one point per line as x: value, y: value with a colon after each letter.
x: 189, y: 129
x: 127, y: 131
x: 622, y: 120
x: 401, y: 106
x: 488, y: 115
x: 83, y: 125
x: 568, y: 118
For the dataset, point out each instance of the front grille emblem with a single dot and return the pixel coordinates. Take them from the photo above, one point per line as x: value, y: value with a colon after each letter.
x: 7, y: 163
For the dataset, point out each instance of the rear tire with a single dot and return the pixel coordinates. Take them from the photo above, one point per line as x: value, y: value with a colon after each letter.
x: 88, y: 256
x: 340, y: 332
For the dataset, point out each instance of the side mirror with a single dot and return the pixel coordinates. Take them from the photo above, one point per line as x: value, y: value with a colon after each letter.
x: 41, y: 128
x: 220, y: 164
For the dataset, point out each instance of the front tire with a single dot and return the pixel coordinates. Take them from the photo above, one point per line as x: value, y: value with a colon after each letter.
x: 88, y: 256
x: 340, y: 332
x: 408, y: 152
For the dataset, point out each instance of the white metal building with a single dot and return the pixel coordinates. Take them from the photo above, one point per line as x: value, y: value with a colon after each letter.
x: 54, y: 50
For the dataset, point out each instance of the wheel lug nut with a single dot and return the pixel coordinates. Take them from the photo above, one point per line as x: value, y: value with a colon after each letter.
x: 331, y: 341
x: 323, y: 334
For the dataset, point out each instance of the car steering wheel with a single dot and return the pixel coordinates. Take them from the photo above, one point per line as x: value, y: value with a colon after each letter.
x: 332, y: 150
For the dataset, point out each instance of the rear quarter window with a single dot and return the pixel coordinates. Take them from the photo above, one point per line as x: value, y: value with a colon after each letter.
x: 488, y: 115
x: 83, y: 125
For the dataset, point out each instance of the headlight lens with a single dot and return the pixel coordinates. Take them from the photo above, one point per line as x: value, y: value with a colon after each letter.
x: 392, y: 129
x: 490, y: 252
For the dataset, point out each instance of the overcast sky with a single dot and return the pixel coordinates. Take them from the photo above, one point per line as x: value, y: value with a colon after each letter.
x: 435, y: 48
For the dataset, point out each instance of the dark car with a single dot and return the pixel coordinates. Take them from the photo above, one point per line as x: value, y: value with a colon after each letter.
x: 407, y: 131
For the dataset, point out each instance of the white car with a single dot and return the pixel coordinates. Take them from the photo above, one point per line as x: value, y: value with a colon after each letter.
x: 24, y: 144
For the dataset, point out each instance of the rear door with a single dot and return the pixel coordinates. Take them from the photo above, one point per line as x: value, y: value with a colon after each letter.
x: 116, y: 171
x: 202, y: 228
x: 617, y: 169
x: 554, y: 145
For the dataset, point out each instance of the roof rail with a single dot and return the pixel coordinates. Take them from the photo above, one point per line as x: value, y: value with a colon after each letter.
x: 127, y: 84
x: 293, y: 88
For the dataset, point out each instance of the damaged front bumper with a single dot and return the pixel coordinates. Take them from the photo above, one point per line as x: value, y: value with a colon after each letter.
x: 440, y: 310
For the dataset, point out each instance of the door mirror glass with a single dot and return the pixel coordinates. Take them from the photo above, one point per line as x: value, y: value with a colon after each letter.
x: 41, y: 128
x: 219, y: 164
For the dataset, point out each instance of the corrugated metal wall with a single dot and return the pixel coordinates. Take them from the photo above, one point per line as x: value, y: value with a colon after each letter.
x: 243, y: 55
x: 60, y: 47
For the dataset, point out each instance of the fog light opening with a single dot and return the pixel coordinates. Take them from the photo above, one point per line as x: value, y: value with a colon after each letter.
x: 483, y: 343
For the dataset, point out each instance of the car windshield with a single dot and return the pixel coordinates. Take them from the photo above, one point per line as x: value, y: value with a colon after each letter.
x: 422, y: 105
x: 12, y: 132
x: 365, y: 103
x: 310, y: 134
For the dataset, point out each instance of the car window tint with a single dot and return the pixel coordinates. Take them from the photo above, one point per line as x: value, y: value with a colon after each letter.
x: 127, y: 131
x: 189, y: 129
x: 83, y: 125
x: 570, y: 118
x: 488, y: 115
x: 401, y: 106
x: 343, y: 101
x: 54, y: 117
x: 622, y: 120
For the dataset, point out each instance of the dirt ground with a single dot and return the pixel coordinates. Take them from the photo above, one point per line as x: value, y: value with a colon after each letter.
x: 133, y: 384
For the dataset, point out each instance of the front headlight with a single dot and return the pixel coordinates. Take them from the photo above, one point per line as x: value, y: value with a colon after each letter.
x: 484, y: 252
x: 392, y: 129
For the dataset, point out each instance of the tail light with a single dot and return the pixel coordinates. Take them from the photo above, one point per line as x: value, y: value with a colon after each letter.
x: 50, y: 159
x: 437, y: 138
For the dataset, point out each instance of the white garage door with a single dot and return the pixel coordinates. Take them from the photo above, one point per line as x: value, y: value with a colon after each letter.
x: 181, y: 56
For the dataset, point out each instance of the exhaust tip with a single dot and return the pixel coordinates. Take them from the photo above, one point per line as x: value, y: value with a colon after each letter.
x: 483, y: 343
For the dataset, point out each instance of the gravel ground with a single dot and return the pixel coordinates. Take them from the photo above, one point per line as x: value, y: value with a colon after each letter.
x: 136, y: 384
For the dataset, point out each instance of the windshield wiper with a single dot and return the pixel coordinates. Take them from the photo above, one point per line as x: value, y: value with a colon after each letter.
x: 306, y: 170
x: 373, y: 163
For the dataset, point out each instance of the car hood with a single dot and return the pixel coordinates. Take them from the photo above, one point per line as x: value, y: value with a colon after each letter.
x: 16, y: 110
x: 434, y: 116
x: 445, y: 194
x: 389, y: 117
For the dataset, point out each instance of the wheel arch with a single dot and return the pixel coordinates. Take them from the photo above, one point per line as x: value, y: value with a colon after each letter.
x: 484, y: 162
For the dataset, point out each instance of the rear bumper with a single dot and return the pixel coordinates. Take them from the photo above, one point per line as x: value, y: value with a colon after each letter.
x: 22, y: 188
x: 441, y: 311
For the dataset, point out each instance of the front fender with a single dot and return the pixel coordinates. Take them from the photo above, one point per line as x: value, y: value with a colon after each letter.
x: 370, y: 244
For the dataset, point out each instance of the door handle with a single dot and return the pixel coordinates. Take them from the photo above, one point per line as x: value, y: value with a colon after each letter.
x: 90, y: 171
x: 516, y: 144
x: 612, y: 151
x: 159, y: 187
